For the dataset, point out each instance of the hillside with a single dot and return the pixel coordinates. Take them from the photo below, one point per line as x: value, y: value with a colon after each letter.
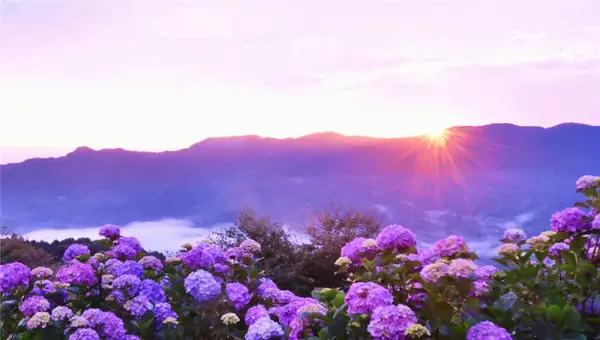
x: 480, y: 179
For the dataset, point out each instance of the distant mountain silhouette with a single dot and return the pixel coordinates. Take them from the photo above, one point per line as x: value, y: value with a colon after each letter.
x: 476, y: 180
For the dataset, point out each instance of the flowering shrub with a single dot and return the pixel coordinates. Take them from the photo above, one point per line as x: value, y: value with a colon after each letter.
x: 545, y: 287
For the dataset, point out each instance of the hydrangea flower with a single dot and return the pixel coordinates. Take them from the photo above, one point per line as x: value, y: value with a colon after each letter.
x: 84, y: 334
x: 486, y: 272
x: 264, y: 329
x: 202, y: 286
x: 197, y: 257
x: 112, y: 327
x: 43, y: 287
x: 343, y: 261
x: 34, y: 304
x: 131, y: 242
x: 153, y: 291
x: 151, y: 262
x: 38, y: 320
x: 77, y: 274
x: 250, y: 246
x: 61, y: 313
x: 128, y: 267
x: 238, y: 294
x: 433, y: 272
x: 486, y: 330
x: 129, y: 283
x: 391, y: 322
x: 288, y: 312
x: 123, y: 252
x: 78, y: 322
x: 556, y: 248
x: 111, y: 265
x: 450, y: 246
x: 587, y: 182
x: 255, y: 313
x: 548, y: 262
x: 508, y: 248
x: 514, y: 235
x: 110, y: 231
x: 417, y: 331
x: 569, y: 220
x: 12, y: 275
x: 74, y: 251
x: 163, y: 311
x: 395, y: 237
x: 138, y: 306
x: 41, y: 272
x: 365, y: 297
x: 93, y: 316
x: 462, y: 268
x: 354, y: 249
x: 230, y: 319
x: 596, y: 222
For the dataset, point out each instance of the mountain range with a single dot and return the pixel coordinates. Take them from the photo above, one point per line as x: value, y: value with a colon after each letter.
x: 474, y: 181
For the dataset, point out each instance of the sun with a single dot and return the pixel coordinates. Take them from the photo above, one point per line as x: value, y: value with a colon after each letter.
x: 438, y: 136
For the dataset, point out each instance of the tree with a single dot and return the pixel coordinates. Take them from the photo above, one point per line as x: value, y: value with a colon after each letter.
x: 331, y: 230
x: 280, y: 253
x: 17, y: 249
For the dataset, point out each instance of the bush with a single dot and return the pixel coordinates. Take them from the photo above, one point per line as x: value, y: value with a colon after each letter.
x: 546, y: 287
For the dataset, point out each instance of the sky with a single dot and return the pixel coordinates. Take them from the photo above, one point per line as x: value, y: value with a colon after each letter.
x: 161, y: 75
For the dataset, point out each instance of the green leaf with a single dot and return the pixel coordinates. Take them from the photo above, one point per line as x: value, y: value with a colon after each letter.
x: 569, y: 258
x: 554, y: 313
x: 571, y: 318
x: 339, y: 299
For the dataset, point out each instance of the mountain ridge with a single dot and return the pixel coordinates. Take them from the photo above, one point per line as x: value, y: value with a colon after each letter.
x: 488, y: 173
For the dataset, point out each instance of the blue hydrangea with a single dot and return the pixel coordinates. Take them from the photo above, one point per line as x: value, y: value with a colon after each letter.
x: 264, y: 329
x: 74, y: 251
x: 153, y: 291
x: 202, y: 286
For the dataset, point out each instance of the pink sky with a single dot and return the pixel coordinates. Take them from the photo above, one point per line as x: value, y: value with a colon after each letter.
x: 155, y: 75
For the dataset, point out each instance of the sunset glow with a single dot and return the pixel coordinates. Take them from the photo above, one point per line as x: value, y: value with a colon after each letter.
x: 161, y: 75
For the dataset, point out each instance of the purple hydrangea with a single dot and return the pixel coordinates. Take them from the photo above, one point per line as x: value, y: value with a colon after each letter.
x: 111, y: 265
x: 486, y: 272
x: 110, y: 231
x: 74, y: 251
x: 221, y: 268
x: 548, y: 262
x: 596, y: 223
x: 43, y: 287
x: 202, y: 286
x: 197, y: 257
x: 285, y: 297
x: 123, y: 252
x: 486, y: 330
x: 84, y: 334
x: 162, y: 311
x: 288, y: 312
x: 569, y: 220
x: 235, y: 255
x: 354, y: 249
x: 450, y: 246
x: 129, y: 283
x: 514, y: 235
x: 395, y: 237
x: 365, y: 297
x: 238, y: 294
x: 12, y: 275
x: 94, y: 316
x: 151, y: 262
x: 255, y: 313
x: 34, y: 304
x: 112, y: 327
x: 264, y: 329
x: 556, y: 248
x: 138, y: 306
x: 153, y: 291
x: 131, y: 242
x: 128, y: 268
x: 390, y: 322
x: 77, y: 274
x: 41, y: 272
